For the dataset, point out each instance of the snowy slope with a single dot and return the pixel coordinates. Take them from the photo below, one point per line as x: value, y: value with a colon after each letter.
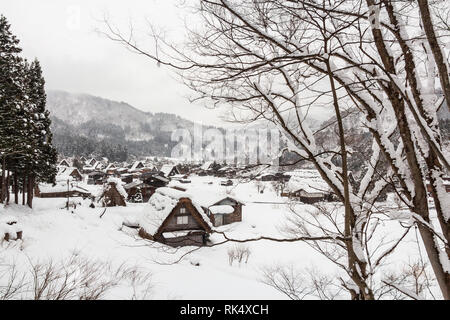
x: 54, y: 233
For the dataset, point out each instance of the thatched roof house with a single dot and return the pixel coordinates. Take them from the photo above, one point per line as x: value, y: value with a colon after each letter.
x: 174, y: 219
x: 113, y: 194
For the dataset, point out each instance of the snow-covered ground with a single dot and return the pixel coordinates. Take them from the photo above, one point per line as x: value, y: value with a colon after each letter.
x: 50, y: 232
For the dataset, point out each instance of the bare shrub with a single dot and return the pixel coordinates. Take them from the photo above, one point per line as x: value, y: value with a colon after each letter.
x: 75, y: 278
x: 14, y: 284
x: 301, y: 284
x: 413, y: 282
x: 240, y: 253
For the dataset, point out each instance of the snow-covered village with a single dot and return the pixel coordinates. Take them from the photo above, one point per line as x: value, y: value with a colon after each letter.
x: 225, y: 150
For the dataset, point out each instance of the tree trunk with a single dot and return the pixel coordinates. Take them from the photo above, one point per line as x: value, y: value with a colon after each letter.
x: 24, y: 188
x: 16, y: 189
x: 2, y: 193
x: 7, y: 188
x: 435, y: 49
x: 433, y: 252
x: 30, y: 185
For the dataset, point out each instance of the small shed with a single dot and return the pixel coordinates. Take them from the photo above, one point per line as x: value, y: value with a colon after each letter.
x: 225, y: 211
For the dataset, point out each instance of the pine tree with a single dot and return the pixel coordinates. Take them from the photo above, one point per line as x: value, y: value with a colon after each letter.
x: 41, y: 155
x: 45, y: 154
x: 26, y: 148
x: 11, y: 97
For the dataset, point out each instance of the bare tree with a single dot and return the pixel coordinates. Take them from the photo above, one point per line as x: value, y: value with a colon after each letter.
x: 278, y: 60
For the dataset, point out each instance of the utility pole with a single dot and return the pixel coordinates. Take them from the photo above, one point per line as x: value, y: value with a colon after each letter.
x: 68, y: 194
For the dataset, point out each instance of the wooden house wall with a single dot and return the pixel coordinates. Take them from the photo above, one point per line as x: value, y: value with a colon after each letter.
x: 172, y: 222
x: 65, y: 194
x: 194, y: 239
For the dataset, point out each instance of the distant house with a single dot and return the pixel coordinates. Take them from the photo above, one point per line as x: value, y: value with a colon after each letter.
x: 136, y: 166
x: 111, y: 169
x: 137, y: 187
x: 210, y: 167
x: 122, y: 170
x: 96, y: 177
x: 98, y: 165
x: 174, y: 219
x: 307, y: 186
x: 60, y: 190
x: 169, y: 170
x: 91, y: 162
x: 154, y: 180
x: 226, y: 171
x: 127, y: 177
x: 69, y: 173
x: 64, y: 163
x: 95, y: 166
x: 309, y: 196
x: 113, y: 194
x: 221, y: 210
x: 149, y: 168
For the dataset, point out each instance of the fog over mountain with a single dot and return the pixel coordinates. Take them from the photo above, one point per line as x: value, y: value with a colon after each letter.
x: 80, y: 121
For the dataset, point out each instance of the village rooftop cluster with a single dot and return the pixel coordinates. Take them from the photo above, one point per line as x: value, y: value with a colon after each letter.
x: 175, y: 216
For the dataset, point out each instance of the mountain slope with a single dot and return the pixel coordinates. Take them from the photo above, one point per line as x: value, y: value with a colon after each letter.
x: 82, y: 121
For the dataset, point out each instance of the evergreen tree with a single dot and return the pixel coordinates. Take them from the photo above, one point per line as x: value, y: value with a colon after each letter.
x: 11, y: 98
x: 45, y: 155
x: 26, y: 148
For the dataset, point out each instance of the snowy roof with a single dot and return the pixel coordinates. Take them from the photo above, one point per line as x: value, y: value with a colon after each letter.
x: 64, y: 162
x: 98, y: 165
x: 223, y: 209
x: 165, y: 169
x: 110, y: 166
x: 96, y: 173
x: 119, y: 186
x: 310, y: 185
x: 60, y: 187
x: 161, y: 204
x: 135, y: 165
x: 304, y: 173
x: 206, y: 165
x: 91, y: 161
x: 65, y: 173
x: 135, y: 184
x: 147, y: 175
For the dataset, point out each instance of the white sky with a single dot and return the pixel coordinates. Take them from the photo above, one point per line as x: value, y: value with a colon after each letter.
x: 75, y: 58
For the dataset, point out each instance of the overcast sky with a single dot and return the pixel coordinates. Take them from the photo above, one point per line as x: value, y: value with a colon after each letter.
x: 75, y: 58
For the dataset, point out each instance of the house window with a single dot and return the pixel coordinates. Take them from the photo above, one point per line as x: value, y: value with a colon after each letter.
x: 182, y: 219
x: 182, y: 210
